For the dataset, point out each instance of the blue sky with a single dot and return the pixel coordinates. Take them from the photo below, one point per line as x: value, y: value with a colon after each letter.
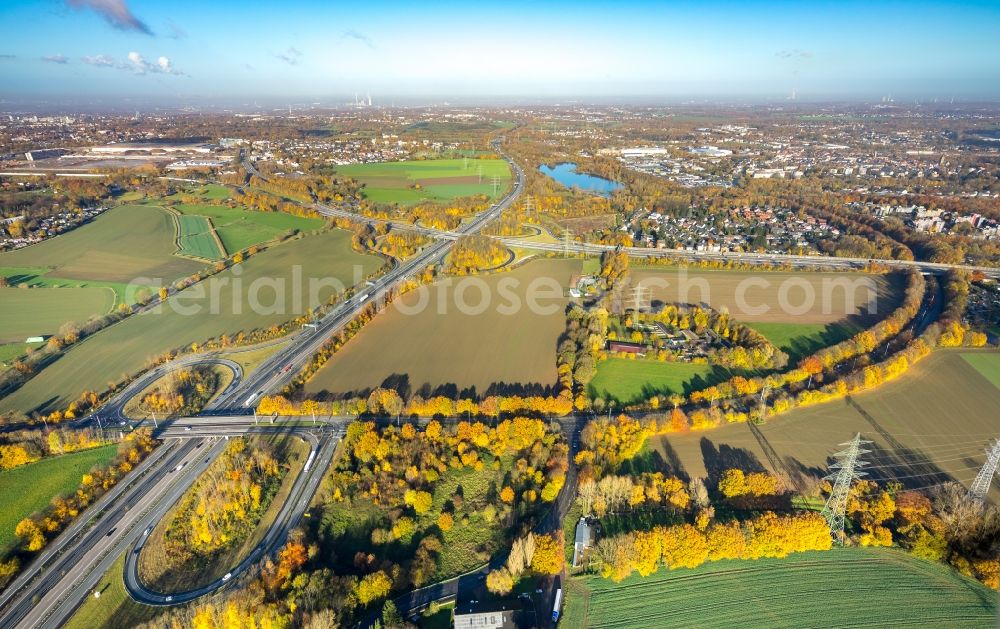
x: 303, y: 51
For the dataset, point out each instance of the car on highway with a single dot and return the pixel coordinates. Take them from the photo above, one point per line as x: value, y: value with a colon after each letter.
x: 187, y: 429
x: 169, y: 598
x: 229, y: 575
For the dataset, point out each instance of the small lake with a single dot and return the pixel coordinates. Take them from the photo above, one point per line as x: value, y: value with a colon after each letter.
x: 567, y: 175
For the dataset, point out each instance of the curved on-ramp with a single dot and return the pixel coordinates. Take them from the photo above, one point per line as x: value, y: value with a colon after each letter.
x: 305, y: 485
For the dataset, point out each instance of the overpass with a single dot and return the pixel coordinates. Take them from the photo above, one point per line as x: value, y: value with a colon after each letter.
x: 51, y: 587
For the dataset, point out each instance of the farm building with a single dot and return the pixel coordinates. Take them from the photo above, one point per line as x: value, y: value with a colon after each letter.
x: 625, y: 347
x: 482, y: 616
x: 584, y: 540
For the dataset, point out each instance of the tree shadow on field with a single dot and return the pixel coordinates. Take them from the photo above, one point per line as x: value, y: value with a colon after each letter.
x: 521, y: 389
x: 398, y: 382
x: 895, y: 461
x: 725, y: 457
x: 803, y: 477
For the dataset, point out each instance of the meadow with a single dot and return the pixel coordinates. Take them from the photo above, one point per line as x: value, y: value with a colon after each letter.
x: 29, y: 488
x: 239, y: 229
x: 123, y: 348
x: 440, y: 349
x: 197, y: 238
x: 629, y: 381
x: 41, y: 311
x: 988, y: 365
x: 9, y: 352
x: 799, y: 340
x: 928, y: 427
x: 844, y: 587
x: 410, y: 182
x: 754, y: 297
x: 120, y: 245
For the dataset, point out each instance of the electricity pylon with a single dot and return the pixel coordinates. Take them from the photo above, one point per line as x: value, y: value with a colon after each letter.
x: 981, y: 486
x: 849, y: 466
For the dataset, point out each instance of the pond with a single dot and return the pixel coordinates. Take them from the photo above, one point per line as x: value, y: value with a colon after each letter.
x: 567, y: 175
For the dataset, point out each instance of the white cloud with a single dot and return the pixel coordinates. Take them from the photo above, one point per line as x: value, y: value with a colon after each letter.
x: 56, y: 59
x: 100, y: 61
x: 135, y: 63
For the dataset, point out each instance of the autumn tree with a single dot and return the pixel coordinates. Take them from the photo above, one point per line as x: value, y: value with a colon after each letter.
x: 549, y: 556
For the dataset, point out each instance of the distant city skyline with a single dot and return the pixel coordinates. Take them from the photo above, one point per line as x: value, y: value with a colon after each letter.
x: 119, y: 51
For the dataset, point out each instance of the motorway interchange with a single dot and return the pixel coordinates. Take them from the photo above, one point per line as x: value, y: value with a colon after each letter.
x: 52, y: 586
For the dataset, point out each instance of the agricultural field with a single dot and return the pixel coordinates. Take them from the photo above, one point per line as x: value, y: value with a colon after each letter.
x: 928, y: 427
x: 754, y: 297
x: 238, y: 228
x: 41, y: 311
x: 29, y: 488
x: 410, y: 182
x: 987, y: 364
x: 124, y: 348
x: 799, y: 340
x: 9, y: 352
x: 439, y: 348
x: 790, y: 592
x: 122, y: 244
x: 197, y: 238
x: 629, y: 381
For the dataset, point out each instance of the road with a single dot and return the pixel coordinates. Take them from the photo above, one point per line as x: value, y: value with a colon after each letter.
x: 53, y: 585
x: 303, y: 488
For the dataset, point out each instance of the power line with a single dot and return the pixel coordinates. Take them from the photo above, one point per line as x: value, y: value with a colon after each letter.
x: 849, y: 466
x: 981, y: 486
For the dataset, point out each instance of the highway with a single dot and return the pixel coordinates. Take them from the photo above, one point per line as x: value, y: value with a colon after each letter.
x: 303, y: 488
x: 53, y: 585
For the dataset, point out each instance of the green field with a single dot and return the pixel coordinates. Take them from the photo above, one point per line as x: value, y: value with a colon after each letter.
x: 9, y: 352
x: 440, y: 348
x: 124, y: 347
x: 196, y: 238
x: 413, y: 181
x: 799, y: 340
x: 844, y: 587
x: 627, y: 381
x: 29, y: 488
x: 40, y: 311
x: 214, y: 192
x: 239, y: 229
x: 928, y: 427
x: 124, y: 243
x: 988, y: 365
